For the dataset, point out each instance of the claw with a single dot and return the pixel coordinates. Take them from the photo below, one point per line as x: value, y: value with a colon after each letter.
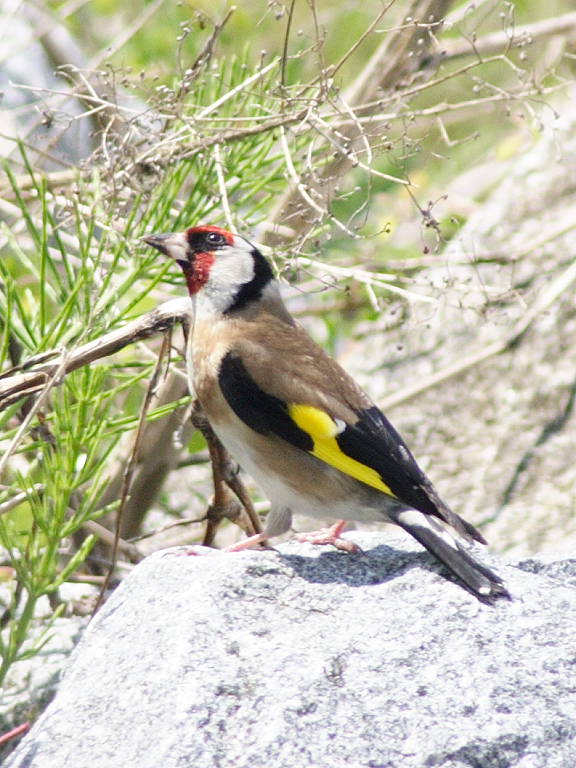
x: 331, y: 536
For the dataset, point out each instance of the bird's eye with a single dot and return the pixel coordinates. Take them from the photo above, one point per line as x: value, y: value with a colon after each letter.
x: 215, y: 238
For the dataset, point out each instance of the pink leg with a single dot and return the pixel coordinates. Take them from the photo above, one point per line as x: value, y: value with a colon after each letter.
x: 331, y: 535
x: 250, y: 543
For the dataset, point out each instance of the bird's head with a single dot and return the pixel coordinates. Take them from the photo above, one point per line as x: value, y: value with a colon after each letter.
x: 226, y: 270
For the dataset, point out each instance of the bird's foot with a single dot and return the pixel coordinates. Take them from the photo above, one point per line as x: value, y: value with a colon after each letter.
x: 251, y: 542
x: 199, y: 550
x: 331, y: 535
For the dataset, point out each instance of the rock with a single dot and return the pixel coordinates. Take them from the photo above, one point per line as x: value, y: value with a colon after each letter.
x: 310, y: 657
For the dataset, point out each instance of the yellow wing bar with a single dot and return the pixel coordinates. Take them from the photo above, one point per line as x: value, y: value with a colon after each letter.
x: 323, y: 431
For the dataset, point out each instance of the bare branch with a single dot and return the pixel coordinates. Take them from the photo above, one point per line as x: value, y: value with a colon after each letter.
x: 47, y: 370
x: 48, y: 382
x: 224, y: 476
x: 500, y: 42
x: 222, y: 187
x: 357, y: 43
x: 131, y: 464
x: 397, y: 58
x: 15, y: 501
x: 207, y: 51
x: 108, y: 537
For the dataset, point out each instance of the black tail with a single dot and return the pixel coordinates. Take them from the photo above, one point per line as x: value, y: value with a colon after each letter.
x: 481, y: 581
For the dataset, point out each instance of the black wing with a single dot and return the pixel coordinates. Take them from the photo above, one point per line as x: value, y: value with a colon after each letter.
x: 369, y: 449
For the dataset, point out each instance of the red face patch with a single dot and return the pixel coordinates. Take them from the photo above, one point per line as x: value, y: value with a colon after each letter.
x: 197, y: 273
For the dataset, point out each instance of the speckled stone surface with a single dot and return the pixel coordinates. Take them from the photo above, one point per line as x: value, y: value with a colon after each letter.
x: 307, y: 657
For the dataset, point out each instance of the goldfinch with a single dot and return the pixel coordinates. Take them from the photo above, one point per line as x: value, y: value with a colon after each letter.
x: 293, y: 418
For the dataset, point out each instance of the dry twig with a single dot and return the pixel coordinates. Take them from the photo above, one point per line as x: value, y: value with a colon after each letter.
x: 130, y: 466
x: 224, y: 475
x: 396, y: 59
x: 47, y: 369
x: 504, y: 40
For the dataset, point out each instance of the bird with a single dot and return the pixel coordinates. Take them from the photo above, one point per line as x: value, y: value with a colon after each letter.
x: 294, y: 419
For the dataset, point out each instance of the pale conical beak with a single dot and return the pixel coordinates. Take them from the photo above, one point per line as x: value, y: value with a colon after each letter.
x: 172, y: 244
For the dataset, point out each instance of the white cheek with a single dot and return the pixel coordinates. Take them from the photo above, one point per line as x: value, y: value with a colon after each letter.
x: 231, y: 270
